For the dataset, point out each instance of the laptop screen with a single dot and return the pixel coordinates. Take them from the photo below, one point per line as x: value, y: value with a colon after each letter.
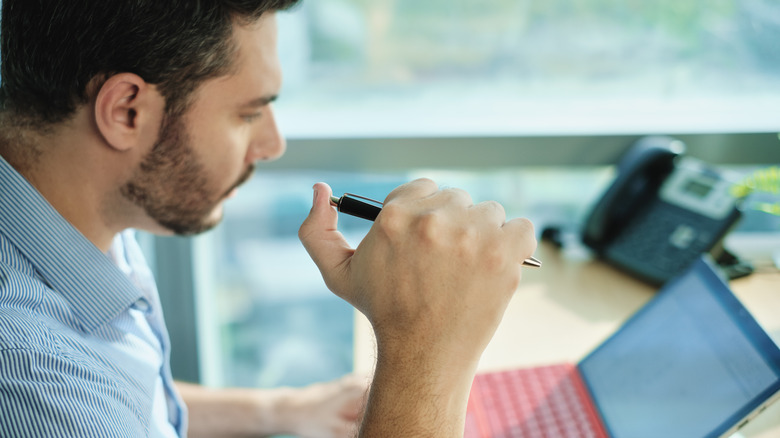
x: 691, y: 363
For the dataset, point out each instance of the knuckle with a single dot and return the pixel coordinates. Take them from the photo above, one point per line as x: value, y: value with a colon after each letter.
x: 425, y: 182
x: 428, y: 226
x: 494, y: 205
x: 527, y: 224
x: 455, y: 193
x: 392, y: 219
x: 417, y: 185
x: 455, y: 196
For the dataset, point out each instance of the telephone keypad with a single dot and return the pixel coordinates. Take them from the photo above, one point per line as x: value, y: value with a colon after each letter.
x: 663, y: 243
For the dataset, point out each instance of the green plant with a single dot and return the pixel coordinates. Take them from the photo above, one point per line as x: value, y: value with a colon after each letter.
x: 762, y: 180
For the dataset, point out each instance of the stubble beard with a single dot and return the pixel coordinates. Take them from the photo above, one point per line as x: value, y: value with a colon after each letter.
x: 172, y: 187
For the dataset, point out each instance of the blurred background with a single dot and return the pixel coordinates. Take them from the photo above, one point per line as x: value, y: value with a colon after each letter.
x: 526, y: 102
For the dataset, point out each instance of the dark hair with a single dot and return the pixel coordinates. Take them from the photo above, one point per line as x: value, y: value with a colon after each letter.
x: 52, y: 49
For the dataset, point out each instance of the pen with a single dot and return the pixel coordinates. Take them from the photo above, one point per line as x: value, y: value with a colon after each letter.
x: 367, y: 208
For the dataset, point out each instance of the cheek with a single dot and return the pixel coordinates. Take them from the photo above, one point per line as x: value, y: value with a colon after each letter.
x: 223, y: 153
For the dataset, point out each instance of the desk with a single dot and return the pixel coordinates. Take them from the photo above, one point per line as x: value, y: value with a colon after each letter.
x: 570, y: 305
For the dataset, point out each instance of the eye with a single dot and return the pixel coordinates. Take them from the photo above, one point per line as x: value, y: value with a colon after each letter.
x: 251, y: 117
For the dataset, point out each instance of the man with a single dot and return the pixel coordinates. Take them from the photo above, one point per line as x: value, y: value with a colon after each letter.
x: 148, y: 114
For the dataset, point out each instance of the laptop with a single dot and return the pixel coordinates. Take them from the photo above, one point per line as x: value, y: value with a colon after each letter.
x: 690, y: 363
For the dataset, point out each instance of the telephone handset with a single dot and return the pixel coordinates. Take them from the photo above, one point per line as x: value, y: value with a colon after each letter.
x: 662, y: 211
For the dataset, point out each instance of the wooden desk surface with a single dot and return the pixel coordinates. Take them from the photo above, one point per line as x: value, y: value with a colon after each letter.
x: 570, y: 305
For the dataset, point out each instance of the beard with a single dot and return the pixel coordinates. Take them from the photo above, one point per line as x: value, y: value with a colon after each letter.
x: 172, y: 186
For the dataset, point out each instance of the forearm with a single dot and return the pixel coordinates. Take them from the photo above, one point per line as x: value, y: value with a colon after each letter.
x: 235, y: 412
x: 412, y: 396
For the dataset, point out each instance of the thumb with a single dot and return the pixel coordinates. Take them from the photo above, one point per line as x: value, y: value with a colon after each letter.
x: 324, y: 243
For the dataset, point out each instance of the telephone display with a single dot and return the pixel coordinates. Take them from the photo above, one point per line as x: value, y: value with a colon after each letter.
x: 662, y: 211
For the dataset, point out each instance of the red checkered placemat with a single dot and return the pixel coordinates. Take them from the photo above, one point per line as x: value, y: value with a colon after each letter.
x: 548, y: 401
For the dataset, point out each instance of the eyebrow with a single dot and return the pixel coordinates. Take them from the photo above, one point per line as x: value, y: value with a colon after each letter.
x: 261, y: 101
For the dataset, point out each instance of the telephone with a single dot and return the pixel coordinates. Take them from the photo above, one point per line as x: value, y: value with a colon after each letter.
x: 662, y: 211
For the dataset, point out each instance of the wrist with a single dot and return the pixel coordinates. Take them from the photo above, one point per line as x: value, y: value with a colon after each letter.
x: 274, y: 412
x: 443, y: 355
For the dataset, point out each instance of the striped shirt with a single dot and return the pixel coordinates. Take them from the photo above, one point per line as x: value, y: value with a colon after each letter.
x: 83, y: 346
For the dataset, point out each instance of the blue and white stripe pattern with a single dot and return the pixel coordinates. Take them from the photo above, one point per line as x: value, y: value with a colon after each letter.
x: 83, y: 346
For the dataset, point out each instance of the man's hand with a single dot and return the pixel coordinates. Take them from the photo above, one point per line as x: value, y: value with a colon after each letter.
x: 328, y: 410
x: 324, y: 410
x: 433, y: 276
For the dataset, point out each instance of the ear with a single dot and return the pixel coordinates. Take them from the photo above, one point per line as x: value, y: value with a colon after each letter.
x: 127, y: 109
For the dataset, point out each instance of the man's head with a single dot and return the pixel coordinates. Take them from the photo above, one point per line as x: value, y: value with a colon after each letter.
x: 177, y: 92
x: 54, y: 50
x: 200, y: 157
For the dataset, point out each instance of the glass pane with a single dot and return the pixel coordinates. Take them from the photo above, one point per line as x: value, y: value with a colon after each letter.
x: 508, y: 67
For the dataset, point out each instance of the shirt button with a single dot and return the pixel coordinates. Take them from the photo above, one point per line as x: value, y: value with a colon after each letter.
x: 143, y: 305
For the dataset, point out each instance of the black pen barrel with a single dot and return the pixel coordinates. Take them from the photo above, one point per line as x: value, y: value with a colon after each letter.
x: 355, y: 207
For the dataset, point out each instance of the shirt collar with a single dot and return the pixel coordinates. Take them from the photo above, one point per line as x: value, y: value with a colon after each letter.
x: 71, y: 265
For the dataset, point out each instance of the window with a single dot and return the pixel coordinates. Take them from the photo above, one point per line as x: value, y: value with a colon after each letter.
x: 406, y: 68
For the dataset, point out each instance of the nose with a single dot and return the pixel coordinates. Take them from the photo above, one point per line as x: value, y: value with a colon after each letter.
x: 267, y: 142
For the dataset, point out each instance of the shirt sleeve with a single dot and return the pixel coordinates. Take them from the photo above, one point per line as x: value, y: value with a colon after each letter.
x: 44, y: 394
